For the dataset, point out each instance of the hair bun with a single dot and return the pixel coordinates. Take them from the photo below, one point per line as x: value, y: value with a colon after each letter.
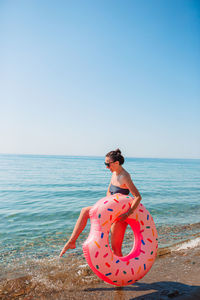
x: 116, y: 156
x: 118, y: 151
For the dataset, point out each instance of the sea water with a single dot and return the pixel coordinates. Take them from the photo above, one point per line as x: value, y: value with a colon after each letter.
x: 41, y: 198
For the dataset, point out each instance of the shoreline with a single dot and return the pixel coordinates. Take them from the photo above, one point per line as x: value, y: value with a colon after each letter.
x: 175, y: 274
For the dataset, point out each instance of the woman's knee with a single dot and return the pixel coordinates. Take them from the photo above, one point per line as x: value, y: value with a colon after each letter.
x: 85, y: 211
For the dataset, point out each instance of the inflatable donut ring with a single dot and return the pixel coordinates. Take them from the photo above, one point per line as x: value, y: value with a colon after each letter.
x: 105, y: 264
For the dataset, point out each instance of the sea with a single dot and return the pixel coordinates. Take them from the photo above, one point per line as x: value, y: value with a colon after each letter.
x: 41, y: 197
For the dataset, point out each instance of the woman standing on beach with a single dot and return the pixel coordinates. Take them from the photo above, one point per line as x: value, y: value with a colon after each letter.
x: 120, y: 183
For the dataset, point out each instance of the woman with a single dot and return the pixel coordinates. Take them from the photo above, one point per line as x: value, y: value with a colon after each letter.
x: 120, y: 183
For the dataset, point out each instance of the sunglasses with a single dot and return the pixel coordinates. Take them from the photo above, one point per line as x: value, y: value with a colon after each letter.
x: 108, y: 164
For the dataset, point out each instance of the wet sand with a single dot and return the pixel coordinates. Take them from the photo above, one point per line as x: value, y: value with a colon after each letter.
x: 174, y: 275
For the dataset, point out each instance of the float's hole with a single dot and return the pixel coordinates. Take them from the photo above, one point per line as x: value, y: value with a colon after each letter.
x: 128, y: 240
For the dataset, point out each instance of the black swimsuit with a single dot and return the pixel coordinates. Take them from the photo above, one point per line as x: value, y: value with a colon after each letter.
x: 116, y: 189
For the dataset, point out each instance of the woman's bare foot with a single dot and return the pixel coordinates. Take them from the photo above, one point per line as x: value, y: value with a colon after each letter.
x: 68, y: 245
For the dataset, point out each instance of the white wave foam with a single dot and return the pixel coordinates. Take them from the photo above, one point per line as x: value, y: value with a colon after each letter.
x: 188, y: 244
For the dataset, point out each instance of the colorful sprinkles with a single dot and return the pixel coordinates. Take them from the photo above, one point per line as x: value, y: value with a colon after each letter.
x: 117, y: 261
x: 117, y: 272
x: 134, y: 267
x: 116, y: 200
x: 105, y: 223
x: 97, y: 245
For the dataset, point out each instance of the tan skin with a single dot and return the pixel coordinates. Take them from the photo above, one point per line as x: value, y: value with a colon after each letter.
x: 120, y: 177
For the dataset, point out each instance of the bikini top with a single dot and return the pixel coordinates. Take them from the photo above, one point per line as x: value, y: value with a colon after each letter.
x: 116, y: 189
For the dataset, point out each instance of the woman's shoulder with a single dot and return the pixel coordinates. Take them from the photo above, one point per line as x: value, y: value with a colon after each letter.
x: 126, y: 174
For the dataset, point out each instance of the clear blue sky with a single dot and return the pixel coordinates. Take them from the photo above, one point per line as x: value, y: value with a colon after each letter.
x: 85, y: 77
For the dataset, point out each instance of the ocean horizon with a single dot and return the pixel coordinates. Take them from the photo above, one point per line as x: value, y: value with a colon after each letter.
x: 98, y: 156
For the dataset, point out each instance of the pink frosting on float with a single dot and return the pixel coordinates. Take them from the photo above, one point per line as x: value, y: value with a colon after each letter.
x: 106, y: 265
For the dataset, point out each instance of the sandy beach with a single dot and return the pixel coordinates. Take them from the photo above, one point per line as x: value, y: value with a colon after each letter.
x: 174, y: 275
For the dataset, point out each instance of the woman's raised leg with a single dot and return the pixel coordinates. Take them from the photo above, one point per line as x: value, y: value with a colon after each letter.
x: 117, y: 235
x: 80, y: 225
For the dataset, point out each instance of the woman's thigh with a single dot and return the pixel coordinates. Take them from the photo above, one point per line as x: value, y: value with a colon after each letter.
x: 86, y: 210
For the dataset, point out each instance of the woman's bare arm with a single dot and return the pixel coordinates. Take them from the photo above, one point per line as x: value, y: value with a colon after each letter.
x: 134, y: 191
x: 108, y: 191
